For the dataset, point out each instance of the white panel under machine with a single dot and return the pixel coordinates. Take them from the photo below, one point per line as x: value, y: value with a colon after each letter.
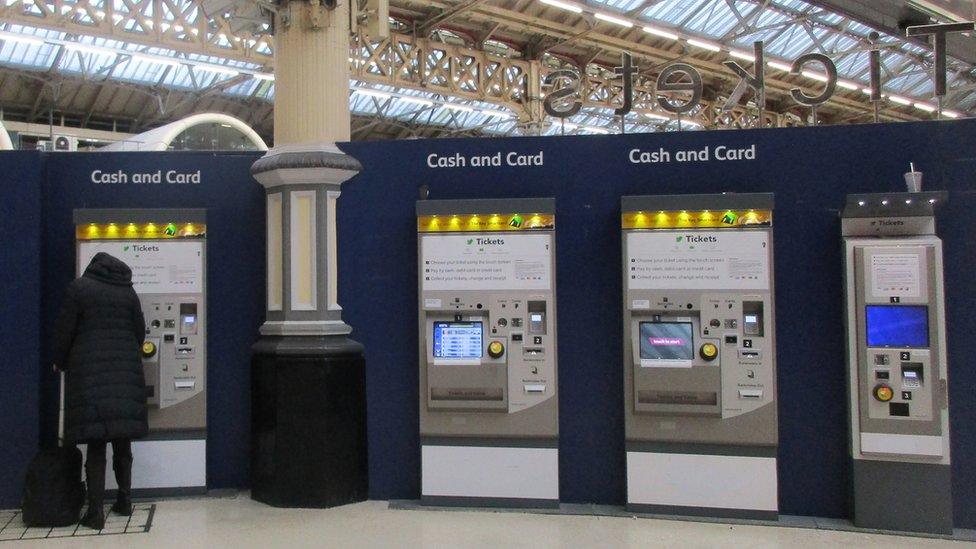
x: 700, y: 355
x: 896, y: 357
x: 166, y: 250
x: 488, y: 396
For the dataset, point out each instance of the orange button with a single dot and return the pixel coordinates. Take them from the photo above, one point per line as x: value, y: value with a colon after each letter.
x: 148, y: 349
x: 883, y: 393
x: 496, y: 349
x: 708, y: 351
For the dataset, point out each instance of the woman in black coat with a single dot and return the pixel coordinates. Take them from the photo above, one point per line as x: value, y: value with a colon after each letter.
x: 97, y: 341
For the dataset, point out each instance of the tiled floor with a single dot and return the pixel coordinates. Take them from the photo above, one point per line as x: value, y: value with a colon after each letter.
x: 12, y: 527
x: 239, y: 522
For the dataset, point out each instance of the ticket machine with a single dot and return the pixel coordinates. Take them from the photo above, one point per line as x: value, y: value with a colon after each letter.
x: 896, y: 358
x: 700, y: 355
x: 166, y: 250
x: 488, y: 392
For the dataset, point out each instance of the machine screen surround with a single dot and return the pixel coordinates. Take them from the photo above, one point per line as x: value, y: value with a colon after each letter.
x: 897, y: 325
x: 667, y: 341
x: 458, y: 340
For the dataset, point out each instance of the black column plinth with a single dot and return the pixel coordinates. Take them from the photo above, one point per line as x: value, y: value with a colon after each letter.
x: 308, y: 422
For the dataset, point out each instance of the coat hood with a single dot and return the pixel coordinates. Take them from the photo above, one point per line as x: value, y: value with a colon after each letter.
x: 106, y: 268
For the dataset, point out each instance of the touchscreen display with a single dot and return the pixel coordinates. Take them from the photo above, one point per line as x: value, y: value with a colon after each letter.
x: 666, y: 341
x: 459, y: 340
x: 897, y: 325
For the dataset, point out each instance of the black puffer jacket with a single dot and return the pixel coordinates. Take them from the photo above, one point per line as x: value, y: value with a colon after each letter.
x: 97, y: 341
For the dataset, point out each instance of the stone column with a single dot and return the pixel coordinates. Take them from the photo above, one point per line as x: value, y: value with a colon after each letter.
x: 308, y: 377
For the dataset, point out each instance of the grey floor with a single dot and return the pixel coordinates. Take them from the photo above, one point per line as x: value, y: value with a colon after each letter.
x: 237, y: 521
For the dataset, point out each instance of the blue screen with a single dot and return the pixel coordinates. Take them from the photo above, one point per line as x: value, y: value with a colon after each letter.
x: 898, y: 325
x: 457, y: 340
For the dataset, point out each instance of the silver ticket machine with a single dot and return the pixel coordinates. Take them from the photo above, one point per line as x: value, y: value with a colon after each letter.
x: 896, y: 359
x: 700, y: 355
x: 488, y: 395
x: 166, y: 250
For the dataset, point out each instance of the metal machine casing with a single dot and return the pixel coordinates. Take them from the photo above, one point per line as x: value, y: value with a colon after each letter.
x: 166, y: 250
x: 700, y: 355
x: 487, y: 327
x: 896, y: 358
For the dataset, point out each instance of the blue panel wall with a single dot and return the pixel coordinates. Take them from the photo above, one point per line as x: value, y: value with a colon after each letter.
x: 810, y: 170
x: 235, y: 271
x: 20, y: 294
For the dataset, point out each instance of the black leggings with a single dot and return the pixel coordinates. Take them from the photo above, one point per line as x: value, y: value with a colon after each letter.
x: 95, y: 468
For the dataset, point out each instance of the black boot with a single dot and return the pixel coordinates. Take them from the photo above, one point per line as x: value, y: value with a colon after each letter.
x: 122, y: 464
x: 94, y: 517
x: 95, y: 477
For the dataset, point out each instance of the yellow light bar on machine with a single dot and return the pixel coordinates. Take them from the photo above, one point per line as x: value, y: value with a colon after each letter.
x: 139, y: 231
x: 695, y: 219
x: 485, y: 222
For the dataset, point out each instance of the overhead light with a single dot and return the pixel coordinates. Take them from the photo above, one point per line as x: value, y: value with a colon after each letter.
x: 373, y: 93
x: 415, y: 100
x: 569, y: 126
x: 21, y: 39
x: 867, y: 91
x: 612, y: 19
x: 899, y: 99
x: 815, y: 75
x: 492, y: 112
x: 594, y: 129
x: 951, y: 114
x: 704, y: 45
x: 85, y: 48
x: 779, y: 66
x: 656, y: 116
x: 263, y: 76
x: 847, y: 85
x: 926, y: 107
x: 661, y: 32
x: 745, y: 56
x: 218, y: 70
x: 456, y: 107
x: 691, y: 123
x: 153, y: 59
x: 563, y: 5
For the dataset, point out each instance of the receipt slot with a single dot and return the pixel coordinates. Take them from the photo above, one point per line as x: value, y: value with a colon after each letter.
x: 488, y: 394
x: 699, y: 355
x: 896, y: 357
x: 166, y: 250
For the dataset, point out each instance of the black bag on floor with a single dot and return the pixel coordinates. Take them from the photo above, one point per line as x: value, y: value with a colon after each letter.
x: 53, y: 489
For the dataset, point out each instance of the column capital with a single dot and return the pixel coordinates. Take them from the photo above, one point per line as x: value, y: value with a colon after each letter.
x: 305, y: 164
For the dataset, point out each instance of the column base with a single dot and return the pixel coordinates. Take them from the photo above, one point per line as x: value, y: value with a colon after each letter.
x: 308, y: 421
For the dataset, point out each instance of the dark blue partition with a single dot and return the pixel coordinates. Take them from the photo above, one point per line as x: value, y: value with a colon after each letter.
x: 809, y: 169
x: 20, y: 294
x: 235, y: 271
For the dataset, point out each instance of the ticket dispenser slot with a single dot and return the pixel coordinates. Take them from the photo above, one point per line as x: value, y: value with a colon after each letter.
x: 896, y: 362
x: 166, y: 250
x: 488, y: 361
x: 699, y: 354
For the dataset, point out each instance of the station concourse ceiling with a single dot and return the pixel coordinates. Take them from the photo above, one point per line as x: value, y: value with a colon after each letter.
x: 471, y: 67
